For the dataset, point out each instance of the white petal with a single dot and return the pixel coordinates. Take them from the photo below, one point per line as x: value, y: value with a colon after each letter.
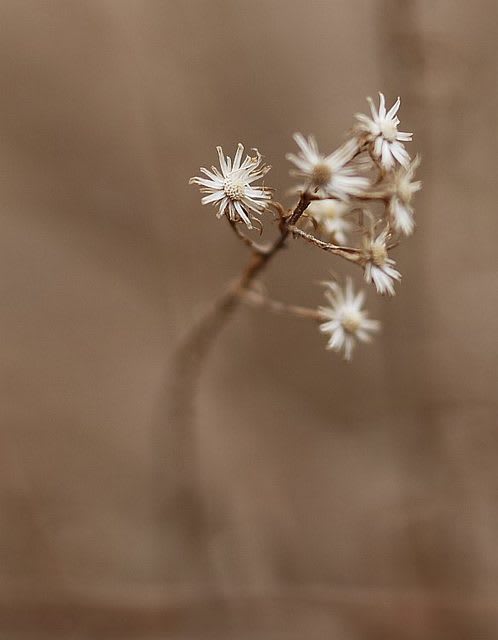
x: 373, y: 109
x: 394, y: 109
x: 203, y: 182
x: 400, y: 153
x: 238, y: 156
x: 402, y: 217
x: 348, y: 347
x: 343, y: 154
x: 403, y: 136
x: 240, y: 210
x: 378, y: 146
x: 300, y: 163
x: 214, y: 197
x: 382, y: 106
x: 387, y: 158
x: 223, y: 164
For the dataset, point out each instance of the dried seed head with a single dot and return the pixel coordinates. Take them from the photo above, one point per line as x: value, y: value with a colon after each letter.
x: 379, y: 254
x: 389, y: 130
x: 331, y: 176
x: 234, y: 189
x: 352, y: 321
x: 231, y: 188
x: 345, y: 320
x: 381, y: 129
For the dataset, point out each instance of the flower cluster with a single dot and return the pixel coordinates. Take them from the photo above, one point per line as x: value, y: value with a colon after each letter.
x: 356, y: 201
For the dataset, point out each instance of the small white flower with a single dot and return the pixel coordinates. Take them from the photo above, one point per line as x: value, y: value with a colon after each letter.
x: 329, y: 216
x: 232, y: 190
x: 382, y: 131
x: 345, y: 319
x: 399, y: 205
x: 327, y: 176
x: 378, y: 267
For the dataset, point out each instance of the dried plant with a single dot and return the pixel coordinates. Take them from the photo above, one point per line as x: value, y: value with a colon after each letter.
x: 337, y: 211
x: 355, y: 203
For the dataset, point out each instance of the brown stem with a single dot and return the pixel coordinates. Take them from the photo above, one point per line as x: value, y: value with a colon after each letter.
x: 262, y: 255
x: 259, y: 300
x: 200, y: 338
x: 368, y: 196
x: 184, y: 506
x: 349, y: 253
x: 254, y: 246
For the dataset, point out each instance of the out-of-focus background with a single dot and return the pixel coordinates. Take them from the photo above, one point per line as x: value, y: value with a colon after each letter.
x: 312, y: 499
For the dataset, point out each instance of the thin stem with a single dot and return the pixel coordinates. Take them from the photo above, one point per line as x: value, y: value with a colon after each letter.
x: 259, y: 300
x: 254, y: 246
x: 261, y: 256
x: 368, y: 196
x: 349, y: 253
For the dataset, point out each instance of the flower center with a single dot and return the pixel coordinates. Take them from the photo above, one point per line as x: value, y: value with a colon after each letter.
x: 379, y: 254
x: 404, y: 191
x: 234, y: 189
x: 331, y: 212
x: 351, y: 321
x: 321, y: 174
x: 388, y: 130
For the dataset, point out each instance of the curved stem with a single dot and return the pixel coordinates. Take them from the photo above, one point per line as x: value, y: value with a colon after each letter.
x: 185, y: 506
x: 254, y: 246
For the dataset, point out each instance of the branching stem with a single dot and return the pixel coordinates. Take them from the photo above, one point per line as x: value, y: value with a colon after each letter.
x: 262, y: 255
x: 254, y: 246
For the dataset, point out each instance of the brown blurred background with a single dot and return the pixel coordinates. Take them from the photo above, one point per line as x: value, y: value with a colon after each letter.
x: 333, y: 501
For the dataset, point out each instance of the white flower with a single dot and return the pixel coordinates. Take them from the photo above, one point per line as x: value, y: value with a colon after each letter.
x: 399, y: 205
x: 378, y: 267
x: 382, y: 131
x: 329, y: 216
x: 232, y: 190
x: 327, y: 176
x: 345, y: 320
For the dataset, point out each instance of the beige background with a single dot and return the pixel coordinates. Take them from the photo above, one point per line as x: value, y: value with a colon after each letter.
x: 346, y: 502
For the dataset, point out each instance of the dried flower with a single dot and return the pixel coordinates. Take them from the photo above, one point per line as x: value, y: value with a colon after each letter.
x: 345, y: 319
x: 232, y: 190
x: 361, y: 177
x: 399, y: 206
x: 329, y: 217
x: 327, y: 176
x: 381, y: 130
x: 378, y: 267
